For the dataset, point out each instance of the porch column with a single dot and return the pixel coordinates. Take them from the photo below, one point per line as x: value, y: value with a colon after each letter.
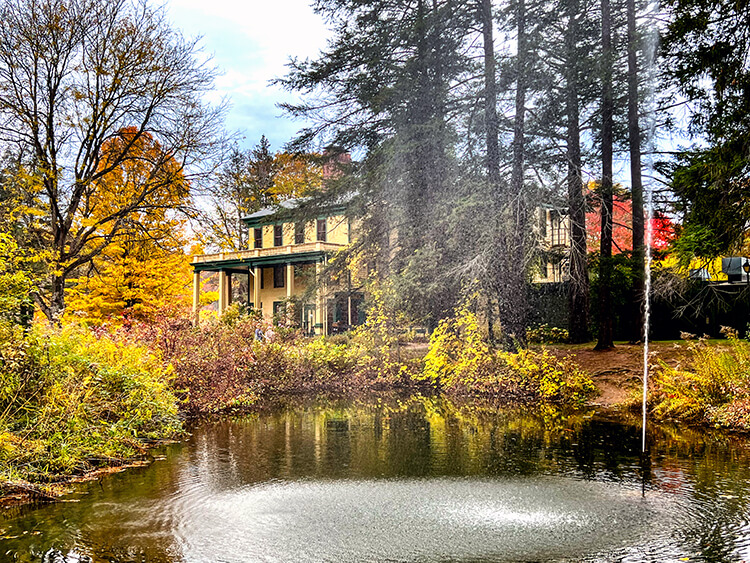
x: 289, y: 280
x: 228, y: 300
x: 326, y: 328
x: 222, y: 291
x: 196, y: 296
x: 318, y: 301
x: 250, y: 286
x: 256, y: 287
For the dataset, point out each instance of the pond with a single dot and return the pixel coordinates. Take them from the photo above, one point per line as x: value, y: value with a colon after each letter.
x: 410, y: 479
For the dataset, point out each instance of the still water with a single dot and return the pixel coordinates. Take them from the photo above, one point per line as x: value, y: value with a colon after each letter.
x: 415, y: 479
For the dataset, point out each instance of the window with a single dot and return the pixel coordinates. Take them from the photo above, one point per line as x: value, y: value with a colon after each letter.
x: 258, y: 234
x: 278, y: 235
x: 278, y: 276
x: 322, y: 230
x: 299, y: 233
x: 262, y: 276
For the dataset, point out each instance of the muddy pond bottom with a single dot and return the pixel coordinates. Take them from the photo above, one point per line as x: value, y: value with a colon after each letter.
x: 419, y: 479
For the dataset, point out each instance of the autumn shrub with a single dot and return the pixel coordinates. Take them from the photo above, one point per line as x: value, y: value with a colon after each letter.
x: 460, y: 360
x: 216, y: 364
x: 542, y: 375
x: 220, y: 364
x: 72, y: 400
x: 458, y: 356
x: 545, y: 334
x: 714, y: 388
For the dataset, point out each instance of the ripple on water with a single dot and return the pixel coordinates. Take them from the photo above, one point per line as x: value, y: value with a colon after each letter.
x: 430, y: 519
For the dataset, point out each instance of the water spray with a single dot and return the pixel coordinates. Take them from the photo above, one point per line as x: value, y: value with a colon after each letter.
x: 648, y: 185
x: 647, y: 304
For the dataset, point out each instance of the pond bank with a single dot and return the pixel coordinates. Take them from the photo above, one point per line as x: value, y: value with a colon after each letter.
x: 225, y: 374
x: 618, y: 372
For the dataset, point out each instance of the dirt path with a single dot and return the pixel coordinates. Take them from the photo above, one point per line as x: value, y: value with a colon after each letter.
x: 619, y: 372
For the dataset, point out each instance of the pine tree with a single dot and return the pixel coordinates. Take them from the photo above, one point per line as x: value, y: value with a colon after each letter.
x: 606, y: 330
x: 385, y: 86
x: 706, y: 49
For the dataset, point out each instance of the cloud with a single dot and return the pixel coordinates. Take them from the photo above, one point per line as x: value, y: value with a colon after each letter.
x: 251, y: 43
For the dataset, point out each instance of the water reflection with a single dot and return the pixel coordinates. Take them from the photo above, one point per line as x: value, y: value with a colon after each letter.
x: 412, y: 479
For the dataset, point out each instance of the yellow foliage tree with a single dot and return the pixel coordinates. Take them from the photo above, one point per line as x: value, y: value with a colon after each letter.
x: 296, y: 175
x: 251, y: 180
x: 144, y: 267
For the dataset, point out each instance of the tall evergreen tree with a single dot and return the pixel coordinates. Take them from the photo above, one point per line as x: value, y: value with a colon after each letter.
x: 636, y: 182
x: 606, y: 329
x: 578, y: 292
x: 508, y: 249
x: 707, y: 48
x: 385, y: 86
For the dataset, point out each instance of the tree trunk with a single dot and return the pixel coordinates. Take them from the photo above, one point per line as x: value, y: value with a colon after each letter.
x: 508, y: 258
x: 516, y: 321
x: 490, y: 98
x: 606, y: 337
x: 634, y: 140
x: 54, y: 306
x: 578, y: 290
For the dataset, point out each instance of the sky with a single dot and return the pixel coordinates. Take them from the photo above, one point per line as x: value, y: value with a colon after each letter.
x: 250, y: 43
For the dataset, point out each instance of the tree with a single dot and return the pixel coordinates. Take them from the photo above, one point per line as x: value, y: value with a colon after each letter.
x: 388, y: 85
x: 578, y: 292
x: 634, y: 144
x: 144, y: 267
x: 706, y: 50
x: 606, y: 329
x: 511, y: 223
x: 253, y: 179
x: 706, y: 53
x: 662, y: 227
x: 73, y: 74
x: 16, y: 280
x: 297, y: 175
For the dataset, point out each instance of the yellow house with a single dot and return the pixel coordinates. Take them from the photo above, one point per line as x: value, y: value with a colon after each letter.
x: 282, y: 260
x: 553, y: 235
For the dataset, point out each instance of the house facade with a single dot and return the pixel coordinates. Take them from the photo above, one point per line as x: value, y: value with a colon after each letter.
x: 553, y: 233
x: 280, y: 273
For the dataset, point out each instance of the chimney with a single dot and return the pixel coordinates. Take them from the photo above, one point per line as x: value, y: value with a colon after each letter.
x: 335, y: 160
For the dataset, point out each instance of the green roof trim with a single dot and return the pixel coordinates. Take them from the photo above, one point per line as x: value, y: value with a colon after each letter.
x: 299, y: 258
x: 280, y: 213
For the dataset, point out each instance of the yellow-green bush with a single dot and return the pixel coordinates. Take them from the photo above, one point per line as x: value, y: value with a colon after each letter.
x: 458, y: 354
x: 460, y: 360
x: 551, y: 378
x: 714, y: 388
x: 71, y: 401
x: 545, y: 334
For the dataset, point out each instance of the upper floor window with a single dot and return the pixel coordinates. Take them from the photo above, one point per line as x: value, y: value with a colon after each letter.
x: 299, y: 233
x: 322, y: 232
x: 278, y: 235
x: 258, y: 234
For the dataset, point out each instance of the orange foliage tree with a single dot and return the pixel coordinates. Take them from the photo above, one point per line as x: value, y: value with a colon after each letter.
x: 143, y: 266
x: 73, y: 75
